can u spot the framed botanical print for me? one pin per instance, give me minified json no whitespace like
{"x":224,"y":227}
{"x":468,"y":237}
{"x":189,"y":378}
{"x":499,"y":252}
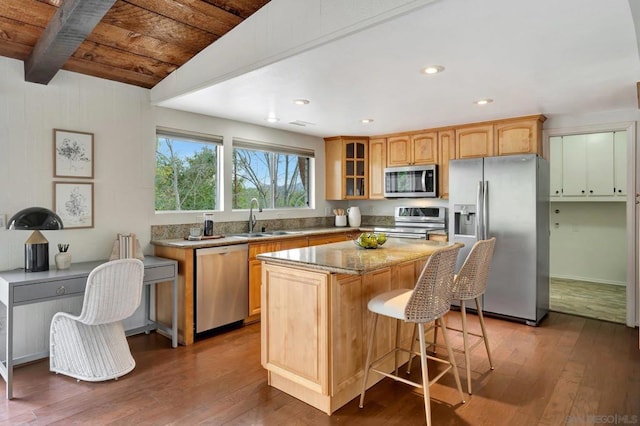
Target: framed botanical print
{"x":72,"y":154}
{"x":73,"y":202}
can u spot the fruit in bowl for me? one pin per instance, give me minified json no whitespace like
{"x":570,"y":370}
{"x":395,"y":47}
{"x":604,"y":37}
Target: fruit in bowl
{"x":370,"y":240}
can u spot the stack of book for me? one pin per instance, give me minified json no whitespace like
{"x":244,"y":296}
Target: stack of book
{"x":126,"y":246}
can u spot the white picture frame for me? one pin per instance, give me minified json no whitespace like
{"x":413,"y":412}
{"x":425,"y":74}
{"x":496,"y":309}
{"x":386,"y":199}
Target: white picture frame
{"x":72,"y":154}
{"x":73,"y":202}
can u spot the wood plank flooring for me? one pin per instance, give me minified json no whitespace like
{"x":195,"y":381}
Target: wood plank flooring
{"x":593,"y":300}
{"x":565,"y":371}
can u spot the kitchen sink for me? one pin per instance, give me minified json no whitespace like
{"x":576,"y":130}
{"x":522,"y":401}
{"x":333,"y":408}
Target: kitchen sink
{"x":265,"y":234}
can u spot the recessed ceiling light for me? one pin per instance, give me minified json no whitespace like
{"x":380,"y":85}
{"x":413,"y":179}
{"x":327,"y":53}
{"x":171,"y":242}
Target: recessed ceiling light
{"x":432,"y":69}
{"x":483,"y":101}
{"x":272,"y":119}
{"x":301,"y":101}
{"x":366,"y":120}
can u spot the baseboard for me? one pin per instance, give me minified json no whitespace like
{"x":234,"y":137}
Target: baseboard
{"x":588,"y":279}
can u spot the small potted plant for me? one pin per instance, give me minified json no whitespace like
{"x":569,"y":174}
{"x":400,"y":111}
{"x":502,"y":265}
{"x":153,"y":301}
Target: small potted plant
{"x":63,"y":258}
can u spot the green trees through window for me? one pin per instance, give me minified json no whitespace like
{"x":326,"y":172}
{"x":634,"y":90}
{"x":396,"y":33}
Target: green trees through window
{"x":189,"y":171}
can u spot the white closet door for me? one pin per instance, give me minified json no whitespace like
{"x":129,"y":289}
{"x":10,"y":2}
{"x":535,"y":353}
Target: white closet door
{"x":600,"y":164}
{"x":620,"y":163}
{"x":574,"y":166}
{"x":555,"y":166}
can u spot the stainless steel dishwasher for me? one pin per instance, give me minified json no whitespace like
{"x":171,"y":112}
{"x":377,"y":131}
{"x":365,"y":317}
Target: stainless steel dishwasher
{"x":222,"y":286}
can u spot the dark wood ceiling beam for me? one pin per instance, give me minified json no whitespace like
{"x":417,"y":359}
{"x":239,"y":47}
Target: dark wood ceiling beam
{"x":68,"y":28}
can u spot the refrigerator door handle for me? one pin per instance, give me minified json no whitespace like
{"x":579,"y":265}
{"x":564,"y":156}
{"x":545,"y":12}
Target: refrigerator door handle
{"x":485,"y":211}
{"x":480,"y":211}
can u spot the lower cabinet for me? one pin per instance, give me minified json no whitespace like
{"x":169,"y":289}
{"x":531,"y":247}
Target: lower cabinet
{"x":255,"y":268}
{"x":314,"y":337}
{"x":255,"y":265}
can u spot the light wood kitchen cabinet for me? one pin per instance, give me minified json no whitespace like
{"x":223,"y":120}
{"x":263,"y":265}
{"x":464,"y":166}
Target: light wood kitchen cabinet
{"x":255,"y":268}
{"x":475,"y":141}
{"x":447,"y":152}
{"x":315,"y":318}
{"x":164,"y":296}
{"x":317,"y":240}
{"x":346,"y":168}
{"x":519,"y":136}
{"x":377,"y":163}
{"x":414,"y":149}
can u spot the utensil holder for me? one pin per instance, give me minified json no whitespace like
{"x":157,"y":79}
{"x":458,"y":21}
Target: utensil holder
{"x":341,"y":220}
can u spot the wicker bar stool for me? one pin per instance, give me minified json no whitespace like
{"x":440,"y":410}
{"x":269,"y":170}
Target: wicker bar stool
{"x":469,"y":284}
{"x":429,"y":300}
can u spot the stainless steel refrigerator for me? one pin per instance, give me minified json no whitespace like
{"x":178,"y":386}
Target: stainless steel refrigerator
{"x":507,"y":198}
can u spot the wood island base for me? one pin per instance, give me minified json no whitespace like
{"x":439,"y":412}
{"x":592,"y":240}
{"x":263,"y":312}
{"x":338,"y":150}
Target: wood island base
{"x":315,"y":326}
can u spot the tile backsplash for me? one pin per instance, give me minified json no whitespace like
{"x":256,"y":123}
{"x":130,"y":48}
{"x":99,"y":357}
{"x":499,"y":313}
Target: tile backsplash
{"x":170,"y":232}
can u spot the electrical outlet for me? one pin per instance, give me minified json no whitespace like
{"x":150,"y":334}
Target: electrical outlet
{"x":327,"y":211}
{"x":3,"y":221}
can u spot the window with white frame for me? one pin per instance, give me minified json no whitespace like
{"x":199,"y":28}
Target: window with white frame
{"x":187,"y":171}
{"x":277,"y":176}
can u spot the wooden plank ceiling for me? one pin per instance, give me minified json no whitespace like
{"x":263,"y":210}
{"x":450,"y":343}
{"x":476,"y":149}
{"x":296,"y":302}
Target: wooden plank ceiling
{"x":137,"y":42}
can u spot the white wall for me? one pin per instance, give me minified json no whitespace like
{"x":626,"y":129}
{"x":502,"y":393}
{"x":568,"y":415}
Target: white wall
{"x":123,"y":123}
{"x":588,"y":242}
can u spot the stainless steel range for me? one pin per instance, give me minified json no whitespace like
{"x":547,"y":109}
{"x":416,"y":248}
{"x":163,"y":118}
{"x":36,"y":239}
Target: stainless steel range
{"x":416,"y":222}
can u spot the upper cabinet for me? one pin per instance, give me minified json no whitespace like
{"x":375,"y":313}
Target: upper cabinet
{"x":620,"y":163}
{"x":346,"y":168}
{"x":447,"y":151}
{"x":413,"y":149}
{"x":377,"y":163}
{"x":588,"y":167}
{"x":519,"y":136}
{"x":474,"y":141}
{"x":355,"y":164}
{"x":555,"y":166}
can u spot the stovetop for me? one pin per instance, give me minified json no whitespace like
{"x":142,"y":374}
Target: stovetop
{"x":416,"y":222}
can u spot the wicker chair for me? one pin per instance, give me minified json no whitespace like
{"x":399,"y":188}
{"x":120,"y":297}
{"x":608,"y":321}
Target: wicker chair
{"x":429,"y":300}
{"x":469,"y":284}
{"x":93,"y":346}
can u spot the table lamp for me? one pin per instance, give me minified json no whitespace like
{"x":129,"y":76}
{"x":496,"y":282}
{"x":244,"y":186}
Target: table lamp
{"x":36,"y":248}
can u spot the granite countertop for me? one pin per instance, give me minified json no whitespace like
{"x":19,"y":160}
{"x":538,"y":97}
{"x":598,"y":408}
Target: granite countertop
{"x":348,"y":258}
{"x":235,"y":239}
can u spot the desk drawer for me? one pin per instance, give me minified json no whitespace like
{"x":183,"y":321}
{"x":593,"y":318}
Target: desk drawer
{"x":49,"y":289}
{"x":159,"y":273}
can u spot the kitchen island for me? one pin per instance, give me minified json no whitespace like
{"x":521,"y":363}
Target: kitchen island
{"x":315,"y":319}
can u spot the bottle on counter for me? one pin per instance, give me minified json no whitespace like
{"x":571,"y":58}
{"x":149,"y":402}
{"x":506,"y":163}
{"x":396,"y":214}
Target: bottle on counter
{"x":208,"y":224}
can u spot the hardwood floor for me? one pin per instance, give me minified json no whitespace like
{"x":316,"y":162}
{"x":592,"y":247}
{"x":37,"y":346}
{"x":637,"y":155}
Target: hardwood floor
{"x":562,"y":372}
{"x":593,"y":300}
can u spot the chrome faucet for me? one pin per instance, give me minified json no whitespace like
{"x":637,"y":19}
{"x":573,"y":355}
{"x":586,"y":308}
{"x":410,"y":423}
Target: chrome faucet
{"x":252,"y":217}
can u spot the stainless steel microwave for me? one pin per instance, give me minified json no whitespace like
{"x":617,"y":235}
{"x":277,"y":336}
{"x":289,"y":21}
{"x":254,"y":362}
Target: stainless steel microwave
{"x":411,"y":181}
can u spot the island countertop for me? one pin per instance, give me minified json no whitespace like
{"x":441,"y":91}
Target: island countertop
{"x":347,"y":258}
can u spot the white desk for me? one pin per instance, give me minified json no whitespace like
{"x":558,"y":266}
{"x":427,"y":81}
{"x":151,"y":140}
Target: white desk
{"x":18,"y":287}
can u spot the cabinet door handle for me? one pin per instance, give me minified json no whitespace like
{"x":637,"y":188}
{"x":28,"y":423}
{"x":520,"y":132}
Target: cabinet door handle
{"x":591,"y":191}
{"x":61,"y":290}
{"x":557,"y":192}
{"x":582,"y":191}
